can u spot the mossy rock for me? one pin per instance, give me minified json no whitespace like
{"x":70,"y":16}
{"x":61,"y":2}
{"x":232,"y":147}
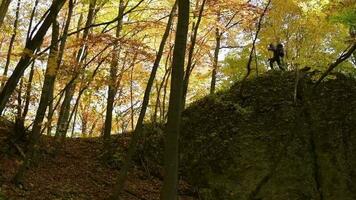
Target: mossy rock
{"x":265,"y":146}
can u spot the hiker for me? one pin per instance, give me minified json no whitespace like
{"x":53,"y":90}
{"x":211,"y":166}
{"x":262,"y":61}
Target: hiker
{"x":278,"y":54}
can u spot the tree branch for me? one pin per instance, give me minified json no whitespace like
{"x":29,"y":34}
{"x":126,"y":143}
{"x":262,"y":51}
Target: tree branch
{"x":344,"y":56}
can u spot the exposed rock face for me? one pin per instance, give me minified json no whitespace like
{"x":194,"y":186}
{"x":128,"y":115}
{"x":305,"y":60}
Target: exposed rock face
{"x":264,"y":146}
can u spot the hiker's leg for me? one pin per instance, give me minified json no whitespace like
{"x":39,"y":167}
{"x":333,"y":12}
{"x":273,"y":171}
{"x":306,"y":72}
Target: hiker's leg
{"x":271,"y":61}
{"x":279,"y":64}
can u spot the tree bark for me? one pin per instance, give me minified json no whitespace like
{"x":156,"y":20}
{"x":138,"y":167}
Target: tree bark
{"x":11,"y":44}
{"x":165,"y":88}
{"x":30,"y":47}
{"x":159,"y":90}
{"x":338,"y":61}
{"x":112,"y":89}
{"x":48,"y":85}
{"x":74,"y":121}
{"x":28,"y":91}
{"x":132,"y":117}
{"x":59,"y":60}
{"x":216,"y":56}
{"x":29,"y":83}
{"x":3,"y":10}
{"x":190,"y":66}
{"x":165,"y":84}
{"x":249,"y":62}
{"x":47,"y":89}
{"x":34,"y":9}
{"x":19,"y":102}
{"x":63,"y":122}
{"x":169,"y":189}
{"x":139,"y":125}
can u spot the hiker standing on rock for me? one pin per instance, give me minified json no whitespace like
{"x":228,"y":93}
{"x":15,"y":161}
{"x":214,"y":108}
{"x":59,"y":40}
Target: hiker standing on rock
{"x":278,"y":55}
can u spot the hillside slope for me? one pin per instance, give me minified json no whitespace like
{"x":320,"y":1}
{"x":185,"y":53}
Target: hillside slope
{"x":76,"y":173}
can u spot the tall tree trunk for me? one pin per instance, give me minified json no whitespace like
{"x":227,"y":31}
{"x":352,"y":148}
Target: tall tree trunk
{"x":28,"y":91}
{"x":131,"y":96}
{"x":169,"y":189}
{"x":63,"y":122}
{"x":139,"y":125}
{"x":165,"y":78}
{"x":3,"y":10}
{"x":12,"y":40}
{"x":34,"y":9}
{"x":112,"y":89}
{"x":59,"y":60}
{"x":165,"y":88}
{"x":29,"y":83}
{"x":74,"y":121}
{"x":1,"y":42}
{"x":159,"y":90}
{"x":216,"y":57}
{"x":190,"y":66}
{"x":157,"y":102}
{"x":84,"y":124}
{"x":50,"y":115}
{"x":19,"y":102}
{"x":30,"y":47}
{"x":47,"y":89}
{"x":249,"y":62}
{"x":83,"y":87}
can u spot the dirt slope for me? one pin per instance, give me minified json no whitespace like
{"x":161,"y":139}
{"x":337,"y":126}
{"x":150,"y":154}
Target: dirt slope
{"x":77,"y":173}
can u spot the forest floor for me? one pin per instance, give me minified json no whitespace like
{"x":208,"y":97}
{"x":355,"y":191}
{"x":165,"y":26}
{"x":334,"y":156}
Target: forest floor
{"x":77,"y":173}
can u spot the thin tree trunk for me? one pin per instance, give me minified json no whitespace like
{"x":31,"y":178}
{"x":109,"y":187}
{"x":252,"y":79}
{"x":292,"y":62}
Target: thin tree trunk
{"x":256,"y":62}
{"x":157,"y":103}
{"x":259,"y":26}
{"x":59,"y":60}
{"x":84,"y":124}
{"x":2,"y":42}
{"x":28,"y":91}
{"x":216,"y":56}
{"x":165,"y":85}
{"x":34,"y":9}
{"x":62,"y":124}
{"x":170,"y":182}
{"x":164,"y":114}
{"x":3,"y":10}
{"x":139,"y":125}
{"x":158,"y":99}
{"x":30,"y":47}
{"x":190,"y":65}
{"x":29,"y":83}
{"x":65,"y":32}
{"x":11,"y":45}
{"x":47,"y":89}
{"x":50,"y":115}
{"x":112,"y":89}
{"x":131,"y":97}
{"x":80,"y":93}
{"x":19,"y":102}
{"x":74,"y":121}
{"x":347,"y":53}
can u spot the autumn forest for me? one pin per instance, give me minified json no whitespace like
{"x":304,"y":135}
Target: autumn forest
{"x":178,"y":99}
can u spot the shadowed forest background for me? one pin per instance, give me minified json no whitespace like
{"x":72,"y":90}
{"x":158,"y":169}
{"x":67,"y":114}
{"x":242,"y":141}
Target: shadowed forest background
{"x":152,"y":99}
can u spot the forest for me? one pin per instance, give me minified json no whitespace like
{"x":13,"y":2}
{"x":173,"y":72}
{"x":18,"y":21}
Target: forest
{"x":178,"y":99}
